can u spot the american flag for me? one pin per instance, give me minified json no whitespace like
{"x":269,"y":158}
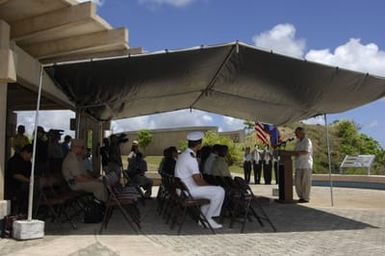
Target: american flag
{"x":262,"y":134}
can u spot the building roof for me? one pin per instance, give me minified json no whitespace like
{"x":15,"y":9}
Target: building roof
{"x":61,"y":30}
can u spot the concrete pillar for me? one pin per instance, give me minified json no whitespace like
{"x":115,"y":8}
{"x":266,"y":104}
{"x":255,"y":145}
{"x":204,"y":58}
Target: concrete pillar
{"x":3,"y":121}
{"x":96,"y":142}
{"x":5,"y":32}
{"x":4,"y":67}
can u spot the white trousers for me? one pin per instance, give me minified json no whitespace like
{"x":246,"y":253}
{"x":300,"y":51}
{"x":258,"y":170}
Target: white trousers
{"x":215,"y":194}
{"x":303,"y":183}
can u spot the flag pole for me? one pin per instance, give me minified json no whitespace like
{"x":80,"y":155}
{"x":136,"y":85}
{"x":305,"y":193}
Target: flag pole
{"x":329,"y":161}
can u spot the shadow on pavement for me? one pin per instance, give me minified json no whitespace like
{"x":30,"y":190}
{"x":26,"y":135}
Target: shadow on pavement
{"x":285,"y":217}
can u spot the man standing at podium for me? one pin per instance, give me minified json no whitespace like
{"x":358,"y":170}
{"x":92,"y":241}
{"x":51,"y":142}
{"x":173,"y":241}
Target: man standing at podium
{"x":303,"y":162}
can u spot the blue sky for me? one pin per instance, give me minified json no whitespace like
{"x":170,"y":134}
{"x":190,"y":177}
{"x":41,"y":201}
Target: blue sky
{"x":347,"y":33}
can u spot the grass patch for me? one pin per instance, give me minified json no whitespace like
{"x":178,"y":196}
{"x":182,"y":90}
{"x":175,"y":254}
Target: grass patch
{"x":236,"y":169}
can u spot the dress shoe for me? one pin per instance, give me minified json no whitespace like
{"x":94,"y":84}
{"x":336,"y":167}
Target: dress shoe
{"x":214,"y":224}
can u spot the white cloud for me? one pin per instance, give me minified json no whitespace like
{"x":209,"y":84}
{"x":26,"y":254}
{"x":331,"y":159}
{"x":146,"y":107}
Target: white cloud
{"x":281,"y":39}
{"x":315,"y":120}
{"x":231,"y":124}
{"x":352,"y":55}
{"x":372,"y":124}
{"x":98,"y":2}
{"x":174,"y":3}
{"x":57,"y":119}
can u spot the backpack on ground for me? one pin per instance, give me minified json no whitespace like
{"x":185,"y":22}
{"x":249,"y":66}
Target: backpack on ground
{"x":94,"y":212}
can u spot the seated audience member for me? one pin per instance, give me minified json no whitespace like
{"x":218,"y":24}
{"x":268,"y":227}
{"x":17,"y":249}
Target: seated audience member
{"x":203,"y":155}
{"x":105,"y":154}
{"x":76,"y":175}
{"x":187,"y":169}
{"x":170,"y":161}
{"x":87,"y":161}
{"x":65,"y":146}
{"x":55,"y":151}
{"x":41,"y":158}
{"x":115,"y":155}
{"x":166,"y":152}
{"x":17,"y":179}
{"x":136,"y":171}
{"x":19,"y":140}
{"x":220,"y":166}
{"x":133,"y":151}
{"x":207,"y":169}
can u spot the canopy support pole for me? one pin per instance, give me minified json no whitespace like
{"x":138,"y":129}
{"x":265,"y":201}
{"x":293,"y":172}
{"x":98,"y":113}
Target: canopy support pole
{"x":329,"y":161}
{"x":32,"y":178}
{"x":211,"y":84}
{"x":78,"y":117}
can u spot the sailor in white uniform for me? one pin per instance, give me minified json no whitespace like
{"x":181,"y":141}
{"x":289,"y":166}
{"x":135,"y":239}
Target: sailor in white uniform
{"x":187,"y":169}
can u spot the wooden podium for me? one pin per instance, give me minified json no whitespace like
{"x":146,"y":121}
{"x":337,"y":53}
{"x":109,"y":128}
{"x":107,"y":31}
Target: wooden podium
{"x":285,"y":179}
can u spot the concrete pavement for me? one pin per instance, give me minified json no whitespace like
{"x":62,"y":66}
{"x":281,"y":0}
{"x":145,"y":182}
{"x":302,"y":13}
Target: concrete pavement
{"x":354,"y":226}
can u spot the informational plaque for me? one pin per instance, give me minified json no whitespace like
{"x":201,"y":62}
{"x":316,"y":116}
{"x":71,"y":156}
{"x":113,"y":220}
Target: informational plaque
{"x":360,"y":161}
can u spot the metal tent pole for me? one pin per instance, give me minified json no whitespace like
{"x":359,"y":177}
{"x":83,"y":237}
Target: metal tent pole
{"x":329,"y":160}
{"x":78,"y":117}
{"x":32,"y":178}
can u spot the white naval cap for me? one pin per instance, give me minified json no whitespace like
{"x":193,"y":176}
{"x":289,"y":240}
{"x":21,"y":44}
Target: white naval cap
{"x":194,"y":136}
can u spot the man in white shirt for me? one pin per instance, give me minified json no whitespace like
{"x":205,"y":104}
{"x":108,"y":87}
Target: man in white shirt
{"x":257,"y":165}
{"x":267,"y":165}
{"x":76,"y":175}
{"x":247,"y":160}
{"x":303,"y":163}
{"x":187,"y":169}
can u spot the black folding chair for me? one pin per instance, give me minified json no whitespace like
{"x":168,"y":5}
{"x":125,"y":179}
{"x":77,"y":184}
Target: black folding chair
{"x":251,"y":200}
{"x":126,"y":204}
{"x":54,"y":203}
{"x":186,"y":203}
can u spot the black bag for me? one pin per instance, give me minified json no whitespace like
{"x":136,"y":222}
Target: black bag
{"x":94,"y":212}
{"x":7,"y":224}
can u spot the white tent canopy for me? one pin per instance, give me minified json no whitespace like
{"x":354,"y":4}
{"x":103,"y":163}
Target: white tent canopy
{"x":232,"y":79}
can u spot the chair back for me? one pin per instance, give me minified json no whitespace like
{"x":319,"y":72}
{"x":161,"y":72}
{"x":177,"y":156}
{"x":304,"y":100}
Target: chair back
{"x":107,"y":184}
{"x":44,"y":182}
{"x":242,"y":184}
{"x":112,"y":179}
{"x":182,"y":189}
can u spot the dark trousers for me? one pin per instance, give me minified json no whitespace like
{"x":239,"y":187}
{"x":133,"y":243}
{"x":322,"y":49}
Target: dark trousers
{"x":144,"y":183}
{"x":19,"y":203}
{"x":257,"y":167}
{"x":276,"y":168}
{"x":247,"y":170}
{"x":267,"y":171}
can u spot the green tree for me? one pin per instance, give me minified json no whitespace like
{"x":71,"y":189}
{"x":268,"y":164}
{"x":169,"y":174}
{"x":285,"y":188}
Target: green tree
{"x":249,"y":126}
{"x":234,"y":155}
{"x":211,"y":137}
{"x":353,"y":142}
{"x":144,"y":138}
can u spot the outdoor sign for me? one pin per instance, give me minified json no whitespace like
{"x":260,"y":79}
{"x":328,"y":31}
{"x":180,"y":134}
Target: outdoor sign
{"x":360,"y":161}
